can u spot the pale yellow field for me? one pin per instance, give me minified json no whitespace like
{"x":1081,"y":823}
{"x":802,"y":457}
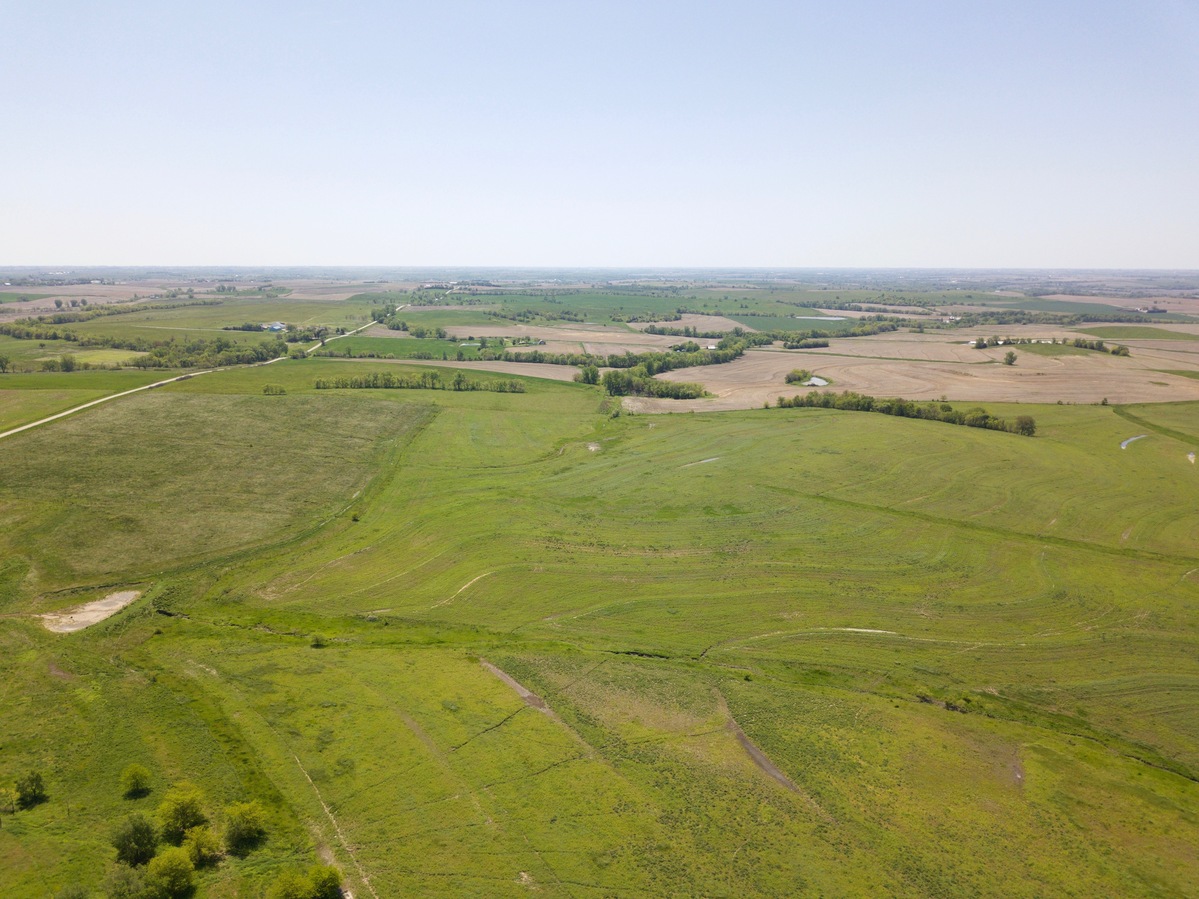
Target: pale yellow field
{"x":925,"y":367}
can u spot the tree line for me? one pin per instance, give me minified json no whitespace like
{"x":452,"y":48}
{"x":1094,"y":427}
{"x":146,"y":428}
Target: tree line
{"x":930,"y":411}
{"x":425,"y":380}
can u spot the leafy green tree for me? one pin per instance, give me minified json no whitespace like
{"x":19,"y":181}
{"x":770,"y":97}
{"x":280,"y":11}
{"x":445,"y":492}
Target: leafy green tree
{"x":182,"y":809}
{"x":1026,"y":425}
{"x":245,"y":827}
{"x":74,"y":891}
{"x":202,"y":847}
{"x":135,"y":781}
{"x":290,"y":885}
{"x":68,"y":362}
{"x":31,"y":789}
{"x":5,"y":362}
{"x":135,"y":840}
{"x":1009,"y":358}
{"x":170,"y":875}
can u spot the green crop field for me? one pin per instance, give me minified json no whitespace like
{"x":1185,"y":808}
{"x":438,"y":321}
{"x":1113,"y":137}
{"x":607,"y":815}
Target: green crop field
{"x":493,"y":644}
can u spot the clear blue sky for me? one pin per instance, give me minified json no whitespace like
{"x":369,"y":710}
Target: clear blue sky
{"x":949,"y":133}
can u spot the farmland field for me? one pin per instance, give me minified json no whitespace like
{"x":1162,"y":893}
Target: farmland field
{"x":476,"y":643}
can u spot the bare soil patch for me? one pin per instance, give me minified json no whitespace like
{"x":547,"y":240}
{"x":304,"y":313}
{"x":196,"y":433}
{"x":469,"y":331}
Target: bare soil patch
{"x":78,"y":618}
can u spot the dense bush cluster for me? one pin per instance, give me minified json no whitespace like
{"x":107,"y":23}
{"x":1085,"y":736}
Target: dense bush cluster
{"x":858,"y":402}
{"x":631,"y":383}
{"x":426,"y":380}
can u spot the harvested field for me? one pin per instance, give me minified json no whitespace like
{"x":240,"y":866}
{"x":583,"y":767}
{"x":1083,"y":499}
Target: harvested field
{"x":759,"y":377}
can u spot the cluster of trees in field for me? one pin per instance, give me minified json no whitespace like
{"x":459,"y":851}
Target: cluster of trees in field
{"x":931,"y":411}
{"x":425,"y":380}
{"x":633,"y":382}
{"x":194,"y":353}
{"x":158,"y":855}
{"x":798,"y":376}
{"x":807,"y":343}
{"x":205,"y":352}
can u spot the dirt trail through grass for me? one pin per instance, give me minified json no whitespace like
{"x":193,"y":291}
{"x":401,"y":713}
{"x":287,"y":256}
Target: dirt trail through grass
{"x":762,"y":760}
{"x":530,"y":698}
{"x":362,"y":875}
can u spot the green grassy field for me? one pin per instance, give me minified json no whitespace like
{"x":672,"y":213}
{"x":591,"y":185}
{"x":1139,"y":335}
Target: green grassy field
{"x":970,"y":656}
{"x":1139,"y":332}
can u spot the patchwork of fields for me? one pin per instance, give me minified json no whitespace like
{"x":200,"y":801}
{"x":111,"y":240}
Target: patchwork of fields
{"x":487,"y":644}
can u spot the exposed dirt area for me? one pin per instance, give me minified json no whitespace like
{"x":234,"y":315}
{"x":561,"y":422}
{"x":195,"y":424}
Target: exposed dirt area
{"x":78,"y":618}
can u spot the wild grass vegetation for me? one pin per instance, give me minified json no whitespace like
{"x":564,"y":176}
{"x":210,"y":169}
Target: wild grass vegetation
{"x":971,"y":657}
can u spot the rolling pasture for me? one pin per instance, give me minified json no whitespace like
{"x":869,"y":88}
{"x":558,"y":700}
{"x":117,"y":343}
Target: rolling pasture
{"x":499,"y":644}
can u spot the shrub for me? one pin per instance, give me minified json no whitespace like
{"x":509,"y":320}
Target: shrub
{"x":123,"y":883}
{"x":74,"y":891}
{"x":170,"y":875}
{"x":321,"y":882}
{"x":135,"y":782}
{"x":182,"y":809}
{"x":202,"y":847}
{"x":274,"y":390}
{"x":326,"y":882}
{"x":290,"y":885}
{"x":245,"y":827}
{"x":135,"y":840}
{"x":31,"y":789}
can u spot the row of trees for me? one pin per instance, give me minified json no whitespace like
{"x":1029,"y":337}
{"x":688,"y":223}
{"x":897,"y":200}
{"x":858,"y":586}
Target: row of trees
{"x":858,"y":402}
{"x":1082,"y":343}
{"x":425,"y":380}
